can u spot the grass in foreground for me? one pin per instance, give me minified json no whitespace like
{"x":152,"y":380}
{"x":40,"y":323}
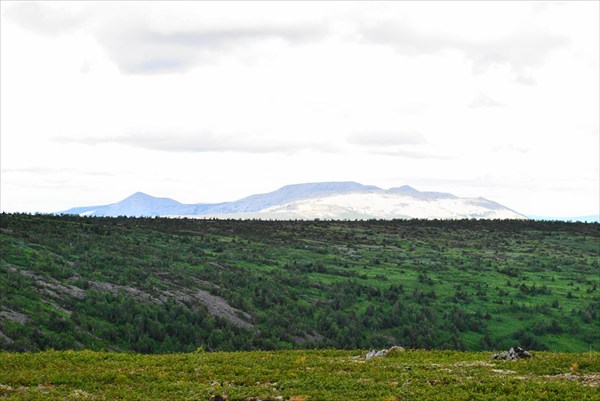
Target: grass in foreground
{"x":298,"y":375}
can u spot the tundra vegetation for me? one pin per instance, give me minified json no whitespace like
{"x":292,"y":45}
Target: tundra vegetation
{"x":298,"y":375}
{"x":158,"y":285}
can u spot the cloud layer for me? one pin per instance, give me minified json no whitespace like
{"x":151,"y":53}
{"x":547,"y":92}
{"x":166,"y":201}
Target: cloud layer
{"x":521,"y":49}
{"x":201,"y":143}
{"x":218,"y":100}
{"x":141,"y":45}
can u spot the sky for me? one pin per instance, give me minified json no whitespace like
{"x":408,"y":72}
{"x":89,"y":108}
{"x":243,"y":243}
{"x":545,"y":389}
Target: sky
{"x":210,"y":102}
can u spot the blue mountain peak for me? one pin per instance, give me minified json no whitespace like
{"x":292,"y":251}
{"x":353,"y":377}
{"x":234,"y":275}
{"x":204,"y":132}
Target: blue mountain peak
{"x":142,"y":204}
{"x":405,"y":189}
{"x":139,"y":195}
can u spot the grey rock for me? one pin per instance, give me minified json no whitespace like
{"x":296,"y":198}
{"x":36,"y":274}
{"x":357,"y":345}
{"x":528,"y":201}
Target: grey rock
{"x":382,"y":353}
{"x":513,"y":354}
{"x":370,"y":354}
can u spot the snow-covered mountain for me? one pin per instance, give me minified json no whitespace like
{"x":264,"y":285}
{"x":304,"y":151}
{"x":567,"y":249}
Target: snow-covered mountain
{"x":289,"y":193}
{"x":324,"y":200}
{"x":389,"y":205}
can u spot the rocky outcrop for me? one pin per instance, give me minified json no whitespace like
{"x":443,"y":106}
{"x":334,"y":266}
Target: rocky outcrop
{"x":215,"y":305}
{"x":512,"y":354}
{"x":14,"y":316}
{"x":382,"y":353}
{"x":49,"y":285}
{"x":218,"y":306}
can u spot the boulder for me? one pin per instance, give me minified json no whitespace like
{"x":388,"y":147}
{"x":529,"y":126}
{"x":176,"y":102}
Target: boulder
{"x":513,"y":354}
{"x":382,"y":353}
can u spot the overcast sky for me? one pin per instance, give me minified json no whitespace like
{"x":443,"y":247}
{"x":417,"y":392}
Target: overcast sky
{"x":208,"y":102}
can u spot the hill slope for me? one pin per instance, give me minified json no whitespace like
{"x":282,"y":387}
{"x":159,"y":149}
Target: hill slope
{"x":163,"y":285}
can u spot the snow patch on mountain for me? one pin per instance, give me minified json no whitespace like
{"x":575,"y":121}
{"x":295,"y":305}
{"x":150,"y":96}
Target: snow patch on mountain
{"x":388,"y":205}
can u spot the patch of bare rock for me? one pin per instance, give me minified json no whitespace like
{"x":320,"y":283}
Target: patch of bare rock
{"x":219,"y":307}
{"x":9,"y":314}
{"x":215,"y":305}
{"x":50,"y":286}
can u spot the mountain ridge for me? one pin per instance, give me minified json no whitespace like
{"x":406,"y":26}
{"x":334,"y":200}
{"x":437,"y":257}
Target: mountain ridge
{"x":329,"y":200}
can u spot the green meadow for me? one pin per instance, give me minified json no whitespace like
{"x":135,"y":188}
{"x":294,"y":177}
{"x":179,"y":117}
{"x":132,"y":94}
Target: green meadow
{"x":299,"y":375}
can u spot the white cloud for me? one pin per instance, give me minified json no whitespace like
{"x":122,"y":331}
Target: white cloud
{"x":157,"y":38}
{"x":147,"y":51}
{"x":483,"y":100}
{"x":203,"y":142}
{"x":386,"y":138}
{"x":520,"y":50}
{"x":46,"y":18}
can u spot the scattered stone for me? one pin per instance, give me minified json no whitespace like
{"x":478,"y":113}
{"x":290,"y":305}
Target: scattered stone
{"x":588,"y":380}
{"x":512,"y":354}
{"x":78,"y":394}
{"x":382,"y":353}
{"x":504,"y":372}
{"x":473,"y":363}
{"x":375,"y":354}
{"x":278,"y":398}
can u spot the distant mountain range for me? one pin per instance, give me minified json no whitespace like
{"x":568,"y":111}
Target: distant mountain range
{"x":323,"y":200}
{"x":592,"y":218}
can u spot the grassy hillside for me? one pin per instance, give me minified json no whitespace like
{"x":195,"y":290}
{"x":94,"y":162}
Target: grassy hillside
{"x":298,"y":376}
{"x":164,"y":285}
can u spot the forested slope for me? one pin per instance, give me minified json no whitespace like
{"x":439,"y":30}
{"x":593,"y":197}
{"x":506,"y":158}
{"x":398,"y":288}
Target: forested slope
{"x":163,"y":285}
